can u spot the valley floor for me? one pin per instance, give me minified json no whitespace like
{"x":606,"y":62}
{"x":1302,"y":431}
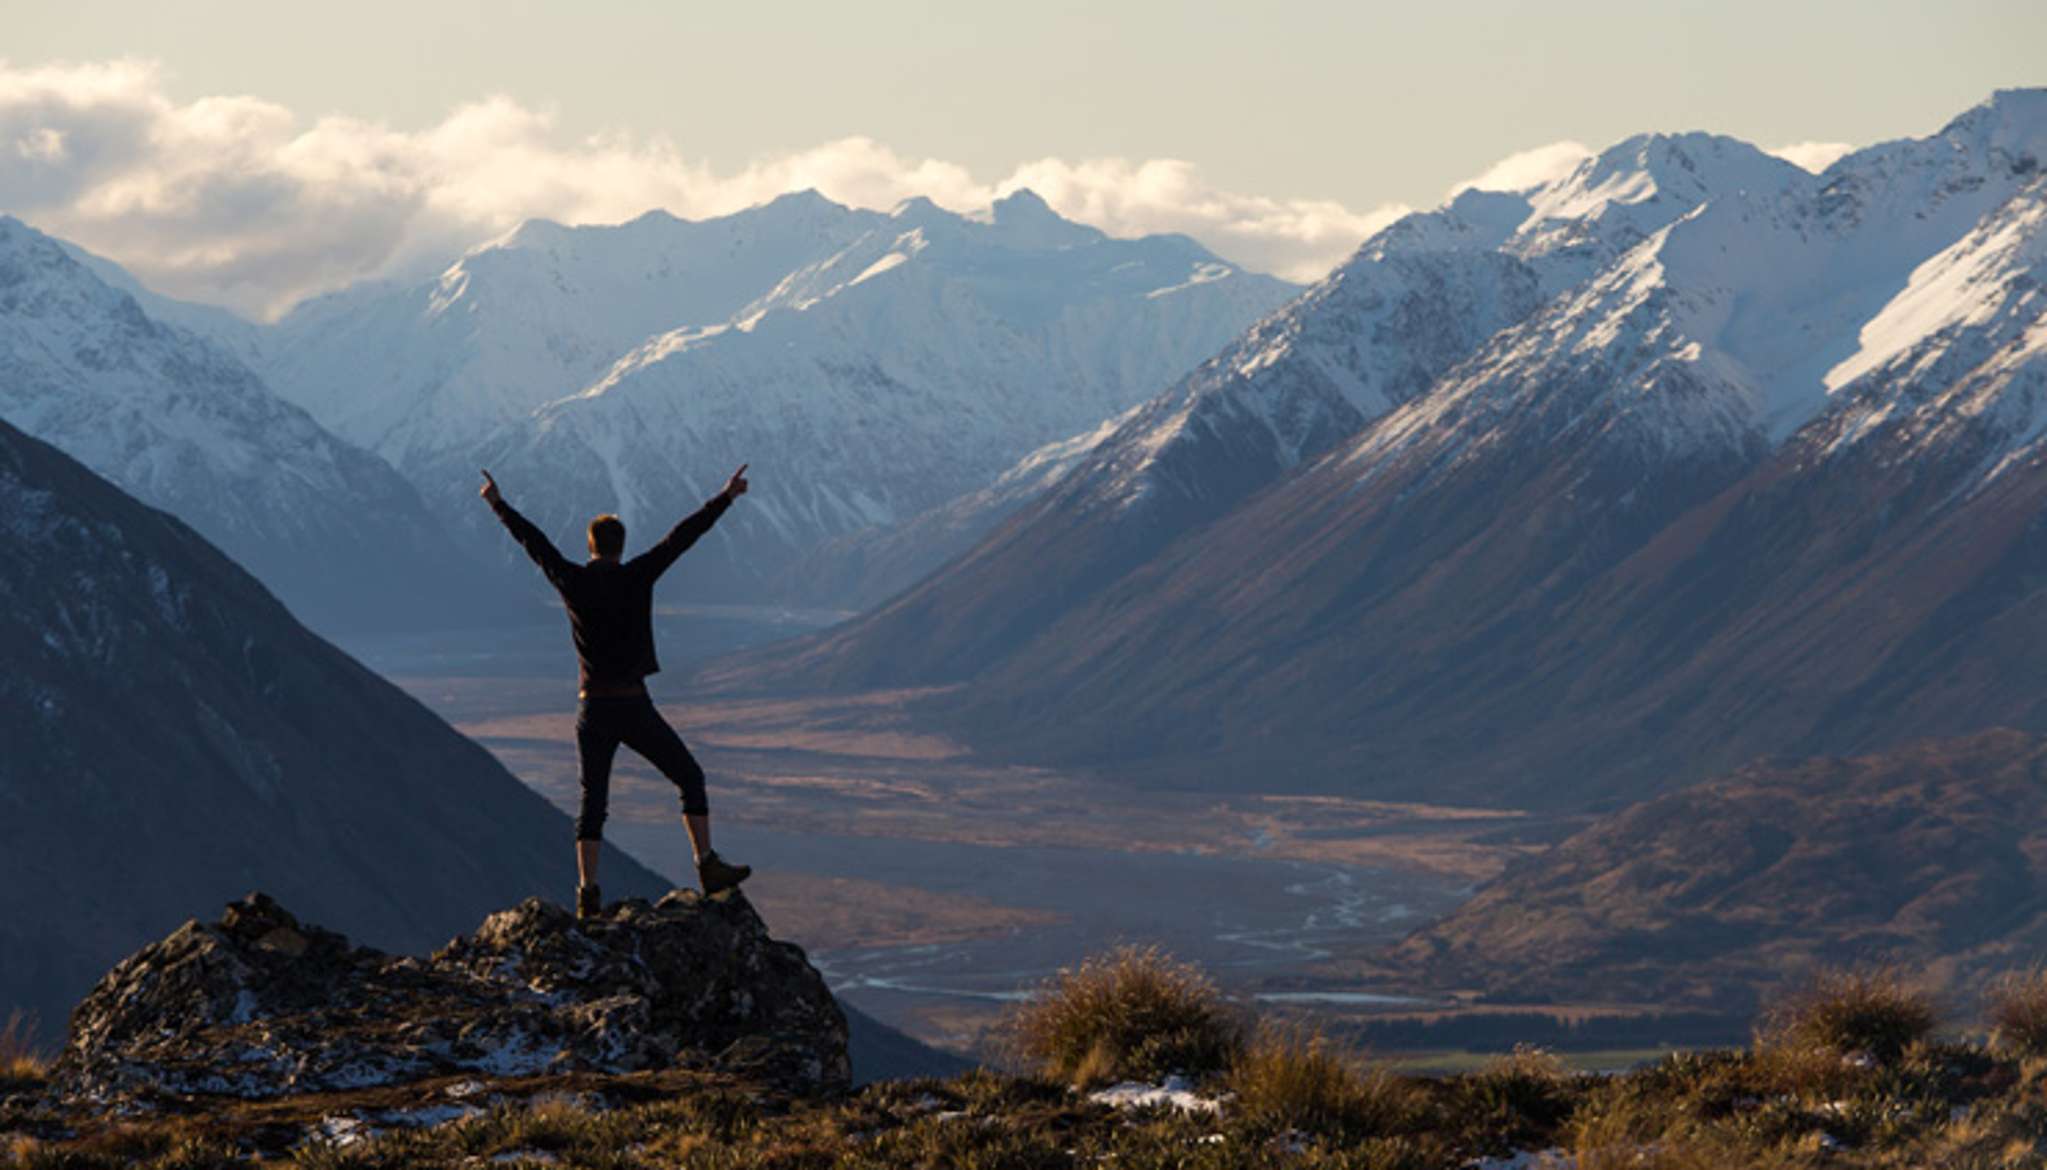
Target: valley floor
{"x":932,"y":887}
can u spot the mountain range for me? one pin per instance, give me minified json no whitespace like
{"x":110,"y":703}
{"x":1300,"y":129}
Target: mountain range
{"x":184,"y":424}
{"x":869,"y":366}
{"x":1555,"y":497}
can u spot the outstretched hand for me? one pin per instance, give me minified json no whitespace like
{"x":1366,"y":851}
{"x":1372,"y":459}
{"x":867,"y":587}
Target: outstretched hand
{"x":489,"y":491}
{"x":736,"y":486}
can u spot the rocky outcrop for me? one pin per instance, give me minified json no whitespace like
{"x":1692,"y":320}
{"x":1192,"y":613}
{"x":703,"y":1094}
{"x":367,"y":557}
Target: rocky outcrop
{"x":261,"y":1005}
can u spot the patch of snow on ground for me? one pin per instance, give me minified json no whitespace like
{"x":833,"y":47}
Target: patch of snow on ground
{"x":1177,"y":1092}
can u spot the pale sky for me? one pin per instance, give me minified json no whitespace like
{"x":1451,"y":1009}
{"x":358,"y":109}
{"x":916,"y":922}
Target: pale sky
{"x":1276,"y":133}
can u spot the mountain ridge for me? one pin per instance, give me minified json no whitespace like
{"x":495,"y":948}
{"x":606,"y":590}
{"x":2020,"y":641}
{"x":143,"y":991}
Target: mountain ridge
{"x":1442,"y":603}
{"x":187,"y":425}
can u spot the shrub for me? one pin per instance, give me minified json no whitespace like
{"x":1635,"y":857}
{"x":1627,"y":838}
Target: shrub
{"x":2018,"y":1012}
{"x":1133,"y":1013}
{"x":1878,"y":1012}
{"x":1289,"y":1077}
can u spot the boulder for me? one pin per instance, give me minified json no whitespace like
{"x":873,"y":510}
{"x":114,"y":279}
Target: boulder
{"x":261,"y":1005}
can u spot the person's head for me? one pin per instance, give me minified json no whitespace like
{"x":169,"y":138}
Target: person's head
{"x":607,"y":536}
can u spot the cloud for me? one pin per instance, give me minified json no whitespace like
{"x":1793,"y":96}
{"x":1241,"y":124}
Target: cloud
{"x":1813,"y":156}
{"x":1528,"y":168}
{"x":240,"y":201}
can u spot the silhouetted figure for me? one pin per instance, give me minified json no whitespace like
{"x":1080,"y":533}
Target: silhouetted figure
{"x":611,"y":616}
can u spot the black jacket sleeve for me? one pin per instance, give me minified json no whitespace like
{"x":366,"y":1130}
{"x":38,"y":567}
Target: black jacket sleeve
{"x":655,"y":561}
{"x":535,"y":542}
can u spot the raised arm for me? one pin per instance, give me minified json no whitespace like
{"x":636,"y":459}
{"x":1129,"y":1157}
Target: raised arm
{"x":655,"y":561}
{"x":530,"y":537}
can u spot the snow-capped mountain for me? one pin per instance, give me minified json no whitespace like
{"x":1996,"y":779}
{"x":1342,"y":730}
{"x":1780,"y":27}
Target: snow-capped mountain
{"x":869,"y":366}
{"x":185,"y":426}
{"x":417,"y":372}
{"x":1751,"y":464}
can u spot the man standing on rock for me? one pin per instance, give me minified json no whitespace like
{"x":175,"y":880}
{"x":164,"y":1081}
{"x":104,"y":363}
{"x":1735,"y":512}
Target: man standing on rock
{"x":611,"y":616}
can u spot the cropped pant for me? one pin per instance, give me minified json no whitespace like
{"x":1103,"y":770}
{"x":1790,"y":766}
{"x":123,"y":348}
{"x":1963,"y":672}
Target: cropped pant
{"x":603,"y":723}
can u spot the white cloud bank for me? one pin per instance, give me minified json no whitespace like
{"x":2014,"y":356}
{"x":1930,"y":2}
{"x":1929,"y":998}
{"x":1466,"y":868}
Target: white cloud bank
{"x":1528,"y":168}
{"x":1813,"y":156}
{"x":239,"y":201}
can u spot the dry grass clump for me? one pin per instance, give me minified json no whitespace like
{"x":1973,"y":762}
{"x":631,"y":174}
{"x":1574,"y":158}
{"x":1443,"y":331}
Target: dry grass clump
{"x":21,"y":1064}
{"x":2017,"y":1012}
{"x":1289,"y":1077}
{"x":1134,"y":1013}
{"x":1879,"y":1013}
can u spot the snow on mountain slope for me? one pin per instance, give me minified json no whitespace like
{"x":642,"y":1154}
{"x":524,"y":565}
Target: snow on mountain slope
{"x":186,"y":427}
{"x":1419,"y":297}
{"x":909,"y":367}
{"x":422,"y":371}
{"x":1955,"y":366}
{"x":1737,"y":323}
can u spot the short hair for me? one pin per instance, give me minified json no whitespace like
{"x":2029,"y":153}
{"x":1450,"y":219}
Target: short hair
{"x":607,"y":536}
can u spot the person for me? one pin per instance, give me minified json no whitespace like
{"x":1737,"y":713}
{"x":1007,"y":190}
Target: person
{"x":610,"y":602}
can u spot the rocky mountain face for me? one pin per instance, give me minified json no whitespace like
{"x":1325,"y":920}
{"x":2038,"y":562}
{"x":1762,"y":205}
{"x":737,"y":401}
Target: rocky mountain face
{"x":1760,"y":471}
{"x":869,"y":366}
{"x":262,"y":1005}
{"x":184,"y":425}
{"x":1928,"y":855}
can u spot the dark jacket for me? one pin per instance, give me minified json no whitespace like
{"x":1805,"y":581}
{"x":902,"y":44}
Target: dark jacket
{"x":611,"y":602}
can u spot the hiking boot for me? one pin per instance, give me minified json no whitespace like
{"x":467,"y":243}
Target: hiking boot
{"x":589,"y":902}
{"x":717,"y":875}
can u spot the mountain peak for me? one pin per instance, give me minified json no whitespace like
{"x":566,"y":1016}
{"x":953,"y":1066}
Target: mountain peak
{"x":808,"y":201}
{"x":531,"y":233}
{"x":1028,"y":221}
{"x":2012,"y":122}
{"x":1024,"y":205}
{"x":919,"y":209}
{"x":1685,"y":169}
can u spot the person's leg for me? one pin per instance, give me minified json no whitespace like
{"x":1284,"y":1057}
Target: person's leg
{"x":596,"y":744}
{"x":650,"y":735}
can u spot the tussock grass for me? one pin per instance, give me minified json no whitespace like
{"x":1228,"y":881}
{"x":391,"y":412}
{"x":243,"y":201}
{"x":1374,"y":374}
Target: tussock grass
{"x":1134,"y":1013}
{"x":1798,"y":1099}
{"x":2016,"y":1007}
{"x":21,"y":1063}
{"x":1514,"y":1100}
{"x":1290,"y":1077}
{"x":1876,"y":1013}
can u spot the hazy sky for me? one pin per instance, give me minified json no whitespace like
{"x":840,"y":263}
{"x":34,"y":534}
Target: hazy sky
{"x":1284,"y":130}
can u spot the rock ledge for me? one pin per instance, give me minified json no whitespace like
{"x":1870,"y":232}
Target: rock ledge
{"x":261,"y":1005}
